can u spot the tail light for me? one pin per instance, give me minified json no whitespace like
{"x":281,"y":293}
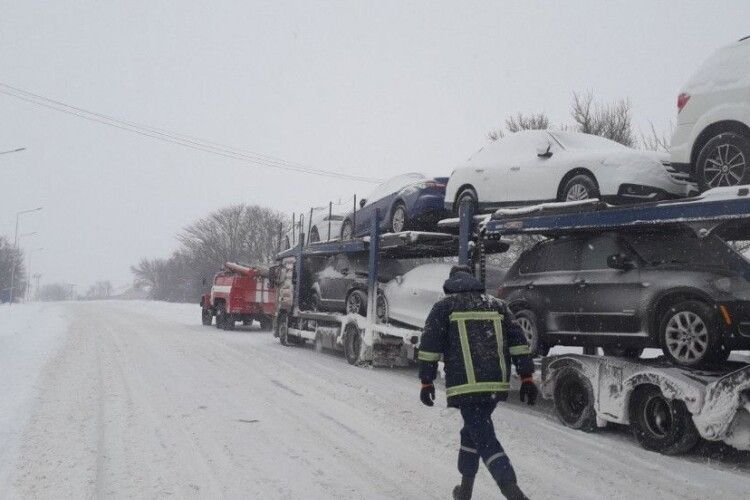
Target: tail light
{"x":434,"y":185}
{"x":682,"y":100}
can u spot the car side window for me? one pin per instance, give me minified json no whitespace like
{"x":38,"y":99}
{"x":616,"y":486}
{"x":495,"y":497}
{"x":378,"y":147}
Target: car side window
{"x":553,"y":256}
{"x":596,"y":250}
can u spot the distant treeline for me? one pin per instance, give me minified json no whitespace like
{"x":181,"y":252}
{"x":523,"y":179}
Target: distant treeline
{"x":238,"y":233}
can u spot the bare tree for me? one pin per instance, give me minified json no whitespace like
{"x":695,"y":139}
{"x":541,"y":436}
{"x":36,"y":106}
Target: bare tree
{"x":520,"y":121}
{"x":11,"y":257}
{"x":99,"y":290}
{"x":612,"y":120}
{"x":656,"y":141}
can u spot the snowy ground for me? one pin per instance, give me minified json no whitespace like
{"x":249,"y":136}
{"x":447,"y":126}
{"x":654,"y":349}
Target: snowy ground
{"x":118,"y":399}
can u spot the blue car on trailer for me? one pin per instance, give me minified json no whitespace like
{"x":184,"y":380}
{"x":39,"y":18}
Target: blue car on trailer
{"x":406,"y":202}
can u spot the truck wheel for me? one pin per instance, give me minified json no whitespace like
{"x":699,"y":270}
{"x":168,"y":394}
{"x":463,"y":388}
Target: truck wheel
{"x":724,"y":161}
{"x":356,"y":303}
{"x":206,"y":317}
{"x":283,"y":328}
{"x":527,"y":320}
{"x":661,"y":424}
{"x":574,"y":400}
{"x":688,"y":333}
{"x":265,"y":323}
{"x":221,"y":317}
{"x":623,"y":352}
{"x":352,"y":343}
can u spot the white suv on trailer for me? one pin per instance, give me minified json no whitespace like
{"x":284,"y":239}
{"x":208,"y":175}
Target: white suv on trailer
{"x":711,"y":142}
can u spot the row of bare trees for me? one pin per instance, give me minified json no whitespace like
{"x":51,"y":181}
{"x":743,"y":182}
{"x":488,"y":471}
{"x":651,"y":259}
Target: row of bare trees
{"x":240,"y":233}
{"x":612,"y":120}
{"x":11,"y":257}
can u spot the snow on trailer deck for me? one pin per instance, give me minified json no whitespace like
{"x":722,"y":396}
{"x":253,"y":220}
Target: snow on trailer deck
{"x":137,"y":399}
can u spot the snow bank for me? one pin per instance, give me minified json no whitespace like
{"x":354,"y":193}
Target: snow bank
{"x":30,"y":334}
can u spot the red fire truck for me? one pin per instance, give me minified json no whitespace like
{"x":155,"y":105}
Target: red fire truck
{"x":239,"y":293}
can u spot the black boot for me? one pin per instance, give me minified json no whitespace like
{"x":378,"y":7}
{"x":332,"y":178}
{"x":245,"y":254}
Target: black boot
{"x":511,"y":491}
{"x":464,"y":490}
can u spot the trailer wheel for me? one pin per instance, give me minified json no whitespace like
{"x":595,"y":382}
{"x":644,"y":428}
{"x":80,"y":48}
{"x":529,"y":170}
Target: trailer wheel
{"x":206,"y":317}
{"x":661,"y":424}
{"x":574,"y":400}
{"x":352,"y":343}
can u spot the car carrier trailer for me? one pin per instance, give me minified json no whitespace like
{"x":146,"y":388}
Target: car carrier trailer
{"x":667,"y":406}
{"x":363,"y":339}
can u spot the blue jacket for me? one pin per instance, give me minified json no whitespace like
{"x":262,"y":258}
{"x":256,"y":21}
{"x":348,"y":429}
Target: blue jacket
{"x":477,"y":338}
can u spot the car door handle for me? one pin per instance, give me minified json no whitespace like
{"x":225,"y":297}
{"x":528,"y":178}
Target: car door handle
{"x":530,"y":285}
{"x":580,"y":282}
{"x":515,"y":169}
{"x":479,"y":170}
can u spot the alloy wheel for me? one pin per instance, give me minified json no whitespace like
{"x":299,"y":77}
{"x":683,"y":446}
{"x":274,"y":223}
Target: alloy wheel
{"x":527,"y":327}
{"x":346,"y":231}
{"x":398,"y":220}
{"x":687,"y":337}
{"x":354,"y":303}
{"x":577,"y":192}
{"x":725,"y":167}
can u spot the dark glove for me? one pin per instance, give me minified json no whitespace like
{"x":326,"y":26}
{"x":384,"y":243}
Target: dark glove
{"x":529,"y":391}
{"x":427,"y":394}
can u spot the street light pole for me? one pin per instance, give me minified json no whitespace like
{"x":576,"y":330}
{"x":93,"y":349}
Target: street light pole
{"x":28,"y":271}
{"x":15,"y":253}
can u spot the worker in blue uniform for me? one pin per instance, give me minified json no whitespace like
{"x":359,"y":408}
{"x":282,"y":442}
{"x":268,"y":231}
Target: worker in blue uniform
{"x":477,"y":338}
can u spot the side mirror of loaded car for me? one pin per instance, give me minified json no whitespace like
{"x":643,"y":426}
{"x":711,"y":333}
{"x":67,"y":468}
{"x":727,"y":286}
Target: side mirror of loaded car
{"x":544,"y":151}
{"x":621,"y":262}
{"x":362,"y":203}
{"x":399,"y":279}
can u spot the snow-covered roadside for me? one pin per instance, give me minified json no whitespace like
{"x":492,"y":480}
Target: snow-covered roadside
{"x":30,"y":334}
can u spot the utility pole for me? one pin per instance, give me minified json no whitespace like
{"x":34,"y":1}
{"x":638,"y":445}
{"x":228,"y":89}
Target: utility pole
{"x":36,"y":289}
{"x":15,"y":253}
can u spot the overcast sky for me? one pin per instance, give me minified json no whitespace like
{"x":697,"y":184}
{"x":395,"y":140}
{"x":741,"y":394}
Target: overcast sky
{"x":366,"y":88}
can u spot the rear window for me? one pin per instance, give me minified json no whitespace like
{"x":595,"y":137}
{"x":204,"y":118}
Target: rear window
{"x":686,"y":248}
{"x":558,"y":255}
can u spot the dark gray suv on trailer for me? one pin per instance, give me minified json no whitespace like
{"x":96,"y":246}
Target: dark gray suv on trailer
{"x":625,"y":291}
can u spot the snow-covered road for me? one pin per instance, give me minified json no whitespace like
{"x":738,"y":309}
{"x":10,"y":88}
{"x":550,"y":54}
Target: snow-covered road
{"x":139,"y":400}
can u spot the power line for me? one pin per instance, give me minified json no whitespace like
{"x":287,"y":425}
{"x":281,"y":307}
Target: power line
{"x":175,"y":138}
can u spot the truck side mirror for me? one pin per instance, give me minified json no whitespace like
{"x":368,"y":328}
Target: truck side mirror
{"x":399,"y":279}
{"x":362,"y":202}
{"x":620,"y":262}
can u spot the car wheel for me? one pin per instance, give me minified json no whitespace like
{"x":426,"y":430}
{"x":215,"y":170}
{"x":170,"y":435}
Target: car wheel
{"x":467,"y":196}
{"x":266,"y":323}
{"x":314,"y":235}
{"x":723,"y":161}
{"x":356,"y":303}
{"x":206,"y":317}
{"x":688,"y":333}
{"x":382,"y":308}
{"x":529,"y":324}
{"x":346,"y":230}
{"x":316,"y":302}
{"x":574,"y":400}
{"x":661,"y":424}
{"x":221,"y":317}
{"x":399,"y":219}
{"x":579,"y":187}
{"x":352,"y":343}
{"x":623,"y":352}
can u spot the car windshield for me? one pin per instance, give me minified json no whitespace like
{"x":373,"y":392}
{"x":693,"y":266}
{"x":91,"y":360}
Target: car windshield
{"x":579,"y":141}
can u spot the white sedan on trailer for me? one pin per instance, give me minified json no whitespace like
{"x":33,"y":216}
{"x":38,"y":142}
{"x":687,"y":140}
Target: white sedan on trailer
{"x":409,"y":298}
{"x":536,"y":166}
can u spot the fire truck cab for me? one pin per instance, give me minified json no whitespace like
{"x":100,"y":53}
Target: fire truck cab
{"x":239,"y":293}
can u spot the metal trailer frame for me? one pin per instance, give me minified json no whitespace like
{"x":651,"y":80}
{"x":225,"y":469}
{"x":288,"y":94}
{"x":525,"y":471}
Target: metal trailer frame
{"x":381,"y":343}
{"x":718,"y":401}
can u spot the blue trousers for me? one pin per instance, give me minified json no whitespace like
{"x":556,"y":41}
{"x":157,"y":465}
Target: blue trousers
{"x":478,"y":440}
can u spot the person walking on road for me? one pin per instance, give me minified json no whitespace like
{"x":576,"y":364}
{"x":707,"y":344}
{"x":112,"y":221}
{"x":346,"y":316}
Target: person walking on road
{"x":477,"y":338}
